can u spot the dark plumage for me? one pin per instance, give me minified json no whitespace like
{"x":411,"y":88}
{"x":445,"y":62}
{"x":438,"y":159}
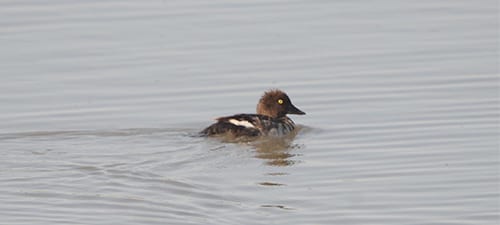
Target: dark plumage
{"x":270,"y":119}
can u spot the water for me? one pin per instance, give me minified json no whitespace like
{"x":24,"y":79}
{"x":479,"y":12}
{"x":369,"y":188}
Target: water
{"x":101,"y":101}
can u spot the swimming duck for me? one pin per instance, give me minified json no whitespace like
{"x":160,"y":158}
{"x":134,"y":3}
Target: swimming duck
{"x":270,"y":119}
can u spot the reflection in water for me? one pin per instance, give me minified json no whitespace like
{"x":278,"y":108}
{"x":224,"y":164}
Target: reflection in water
{"x":276,"y":150}
{"x":276,"y":206}
{"x":270,"y":184}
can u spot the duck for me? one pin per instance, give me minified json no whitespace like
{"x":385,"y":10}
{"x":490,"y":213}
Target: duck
{"x":270,"y":120}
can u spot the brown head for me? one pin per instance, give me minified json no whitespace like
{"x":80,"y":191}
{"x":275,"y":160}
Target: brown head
{"x":276,"y":104}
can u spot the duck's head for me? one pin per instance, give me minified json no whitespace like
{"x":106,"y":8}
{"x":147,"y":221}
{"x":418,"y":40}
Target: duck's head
{"x":276,"y":104}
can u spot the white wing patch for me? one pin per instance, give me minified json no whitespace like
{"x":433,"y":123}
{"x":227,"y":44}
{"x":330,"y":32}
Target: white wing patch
{"x":243,"y":123}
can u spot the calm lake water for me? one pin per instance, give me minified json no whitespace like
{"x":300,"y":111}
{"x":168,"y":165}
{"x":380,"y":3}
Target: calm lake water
{"x":101,"y":102}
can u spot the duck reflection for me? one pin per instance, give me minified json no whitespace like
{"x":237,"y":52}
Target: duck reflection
{"x":276,"y":150}
{"x":277,"y":206}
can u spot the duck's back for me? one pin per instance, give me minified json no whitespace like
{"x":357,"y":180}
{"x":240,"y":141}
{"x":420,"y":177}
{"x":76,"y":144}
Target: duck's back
{"x":250,"y":125}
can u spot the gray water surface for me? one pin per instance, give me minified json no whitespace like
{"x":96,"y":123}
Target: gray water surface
{"x":101,"y":102}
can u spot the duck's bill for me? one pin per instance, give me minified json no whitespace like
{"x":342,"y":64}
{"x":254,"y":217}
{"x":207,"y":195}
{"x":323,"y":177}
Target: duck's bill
{"x":295,"y":110}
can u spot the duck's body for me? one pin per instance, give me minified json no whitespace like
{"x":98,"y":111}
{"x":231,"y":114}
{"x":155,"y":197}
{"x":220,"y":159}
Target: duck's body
{"x":270,"y":119}
{"x":251,"y":125}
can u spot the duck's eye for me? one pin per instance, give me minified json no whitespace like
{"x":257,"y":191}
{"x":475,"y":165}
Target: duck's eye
{"x":280,"y":101}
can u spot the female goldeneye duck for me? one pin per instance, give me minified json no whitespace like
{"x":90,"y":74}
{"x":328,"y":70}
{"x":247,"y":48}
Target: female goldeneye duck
{"x":270,"y":119}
